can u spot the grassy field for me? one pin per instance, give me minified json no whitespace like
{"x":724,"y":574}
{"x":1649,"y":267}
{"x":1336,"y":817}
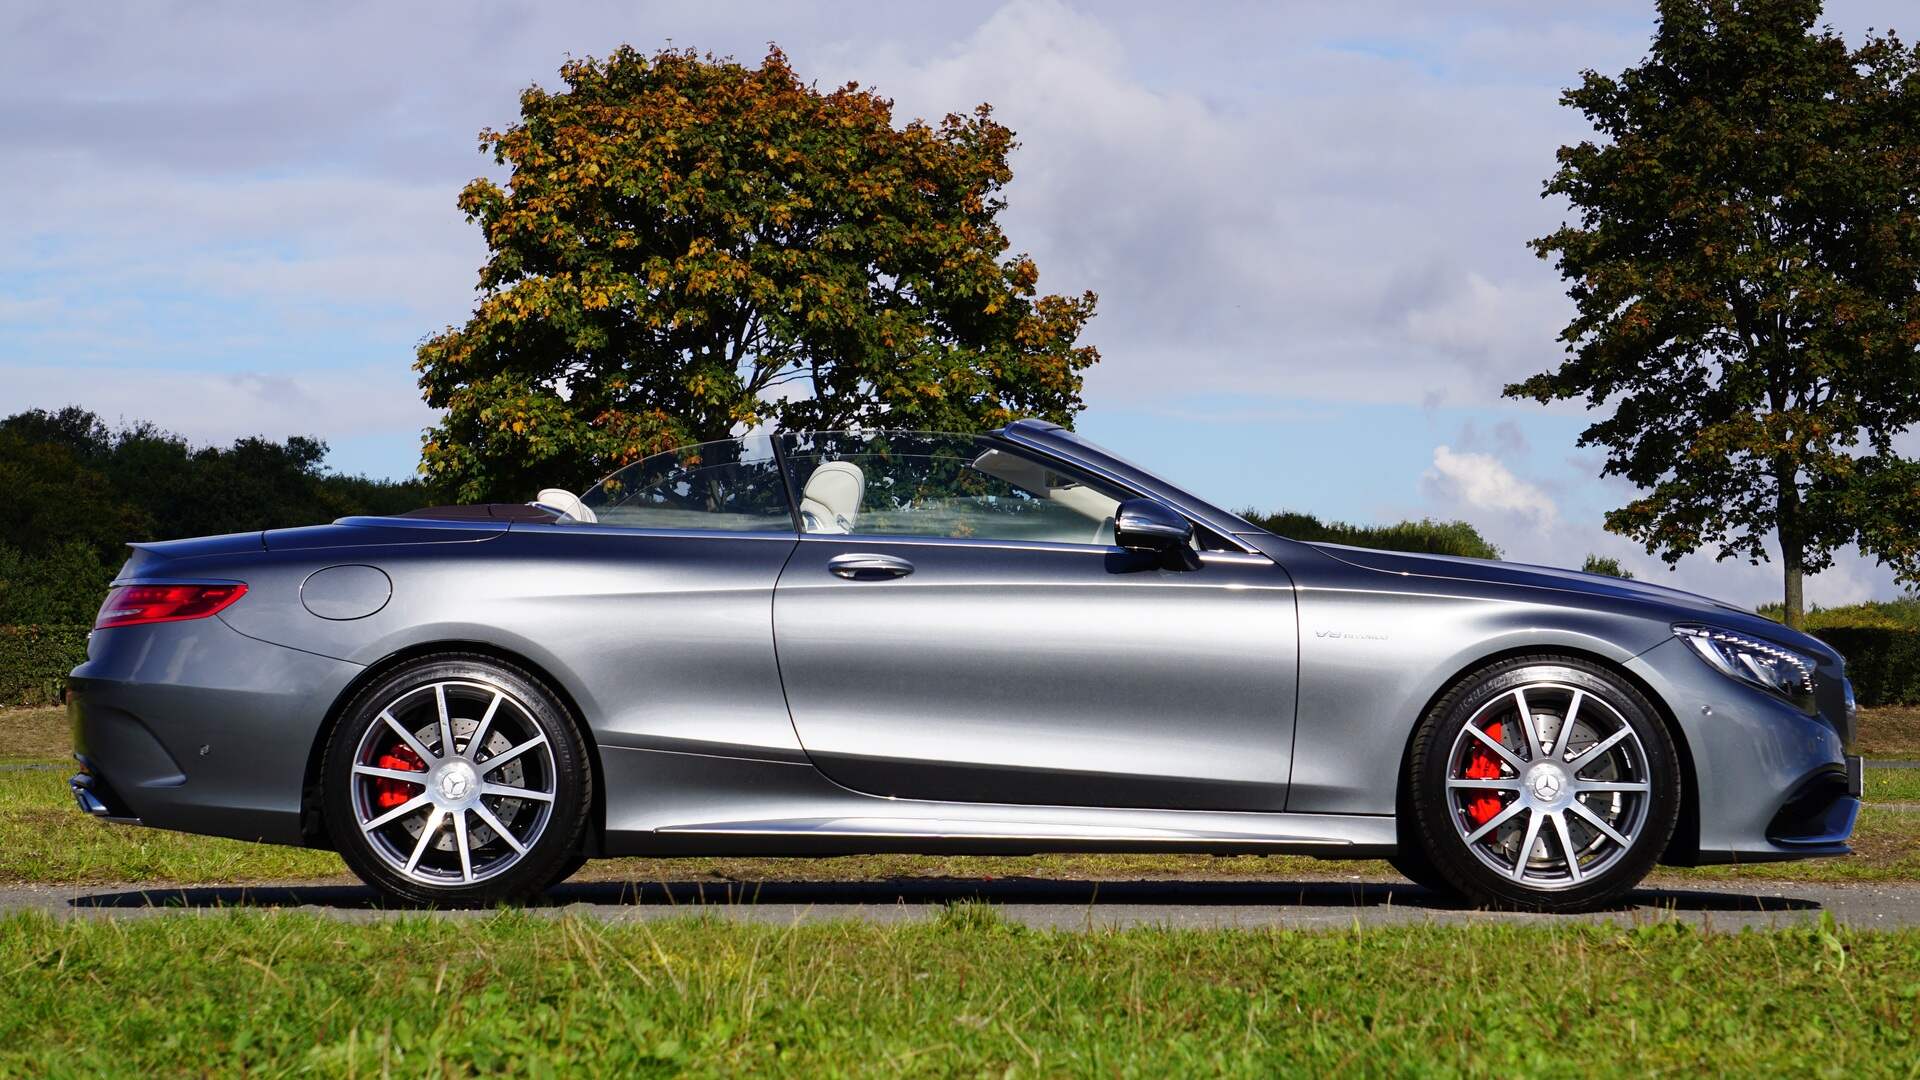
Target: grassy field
{"x":1892,"y":785}
{"x":963,"y":994}
{"x":531,"y":994}
{"x":34,"y":735}
{"x":43,"y":839}
{"x":1892,"y":731}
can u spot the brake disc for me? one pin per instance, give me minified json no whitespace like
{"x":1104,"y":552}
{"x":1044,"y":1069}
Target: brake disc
{"x":512,"y":774}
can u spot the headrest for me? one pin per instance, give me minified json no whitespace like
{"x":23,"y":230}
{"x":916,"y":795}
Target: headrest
{"x":566,"y":502}
{"x":831,"y":499}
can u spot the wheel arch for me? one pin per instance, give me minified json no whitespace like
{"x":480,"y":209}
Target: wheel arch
{"x":312,"y":825}
{"x":1683,"y":849}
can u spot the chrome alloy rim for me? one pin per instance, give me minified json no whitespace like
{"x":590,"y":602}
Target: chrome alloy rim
{"x":1548,"y":785}
{"x":454,"y":783}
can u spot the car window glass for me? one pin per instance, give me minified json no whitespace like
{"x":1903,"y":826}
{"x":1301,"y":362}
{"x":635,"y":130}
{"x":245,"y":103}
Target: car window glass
{"x":733,"y":485}
{"x":930,"y":484}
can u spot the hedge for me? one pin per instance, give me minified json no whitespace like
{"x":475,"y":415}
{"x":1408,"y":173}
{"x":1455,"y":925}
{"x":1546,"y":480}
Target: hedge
{"x":1882,"y":661}
{"x":35,"y":660}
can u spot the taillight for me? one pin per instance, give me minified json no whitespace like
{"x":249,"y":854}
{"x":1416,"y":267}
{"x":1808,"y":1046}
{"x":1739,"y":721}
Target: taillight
{"x":131,"y":605}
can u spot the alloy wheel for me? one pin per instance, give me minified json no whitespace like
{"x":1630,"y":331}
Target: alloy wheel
{"x":1548,"y":785}
{"x":454,"y":783}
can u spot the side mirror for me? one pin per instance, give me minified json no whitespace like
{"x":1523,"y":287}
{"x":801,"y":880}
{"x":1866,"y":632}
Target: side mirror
{"x":1151,"y":525}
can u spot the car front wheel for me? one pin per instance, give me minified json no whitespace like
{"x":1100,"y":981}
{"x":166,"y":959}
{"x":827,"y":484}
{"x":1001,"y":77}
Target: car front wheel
{"x":1544,"y":783}
{"x":455,"y":781}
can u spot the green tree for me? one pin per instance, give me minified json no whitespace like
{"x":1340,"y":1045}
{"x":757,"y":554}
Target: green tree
{"x":1605,"y":564}
{"x":1426,"y":535}
{"x":1746,"y":271}
{"x":73,"y":493}
{"x":686,"y":245}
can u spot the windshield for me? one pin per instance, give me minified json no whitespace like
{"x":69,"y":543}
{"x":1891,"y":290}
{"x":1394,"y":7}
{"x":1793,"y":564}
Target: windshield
{"x":924,"y":483}
{"x":731,"y":485}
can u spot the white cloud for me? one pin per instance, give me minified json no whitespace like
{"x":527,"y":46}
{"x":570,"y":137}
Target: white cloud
{"x":1354,"y":231}
{"x":1281,"y":206}
{"x":1481,"y":482}
{"x":217,"y":407}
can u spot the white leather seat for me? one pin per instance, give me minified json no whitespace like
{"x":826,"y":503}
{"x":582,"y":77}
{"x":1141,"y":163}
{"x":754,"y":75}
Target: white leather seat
{"x":830,"y":503}
{"x":566,"y":502}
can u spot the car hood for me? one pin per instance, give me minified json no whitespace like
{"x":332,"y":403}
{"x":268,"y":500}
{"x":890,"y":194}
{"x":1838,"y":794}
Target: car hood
{"x":1683,"y":604}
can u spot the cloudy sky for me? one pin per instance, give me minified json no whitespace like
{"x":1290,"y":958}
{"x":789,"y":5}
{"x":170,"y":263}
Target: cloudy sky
{"x":1306,"y":222}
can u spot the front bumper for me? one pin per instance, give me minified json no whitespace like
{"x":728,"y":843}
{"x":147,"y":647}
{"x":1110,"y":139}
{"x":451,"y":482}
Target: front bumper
{"x":197,"y":727}
{"x":1769,"y":782}
{"x":1822,"y":810}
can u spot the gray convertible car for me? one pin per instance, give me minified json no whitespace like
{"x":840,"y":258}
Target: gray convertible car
{"x":887,"y":641}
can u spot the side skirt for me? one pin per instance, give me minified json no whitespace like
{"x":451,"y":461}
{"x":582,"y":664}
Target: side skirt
{"x":666,"y":803}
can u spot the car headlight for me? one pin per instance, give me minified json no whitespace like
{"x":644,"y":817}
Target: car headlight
{"x":1773,"y":668}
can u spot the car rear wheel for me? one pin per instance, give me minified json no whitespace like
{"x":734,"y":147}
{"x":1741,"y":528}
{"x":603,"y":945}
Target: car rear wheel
{"x":457,"y":781}
{"x":1544,"y":783}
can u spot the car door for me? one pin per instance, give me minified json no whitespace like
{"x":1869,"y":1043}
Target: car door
{"x":957,"y":624}
{"x":656,"y":591}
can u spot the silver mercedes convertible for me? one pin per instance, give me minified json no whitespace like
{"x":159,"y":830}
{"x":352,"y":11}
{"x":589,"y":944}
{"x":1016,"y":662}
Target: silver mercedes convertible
{"x":889,"y":641}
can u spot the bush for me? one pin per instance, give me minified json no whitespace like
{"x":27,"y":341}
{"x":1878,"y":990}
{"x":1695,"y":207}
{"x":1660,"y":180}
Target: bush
{"x":64,"y":585}
{"x":1882,"y":661}
{"x":35,"y":660}
{"x":1889,"y":614}
{"x":1881,"y":641}
{"x":1425,"y":536}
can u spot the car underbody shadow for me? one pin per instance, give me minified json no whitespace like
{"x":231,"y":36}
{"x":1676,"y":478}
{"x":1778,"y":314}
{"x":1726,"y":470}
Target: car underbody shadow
{"x":1171,"y":894}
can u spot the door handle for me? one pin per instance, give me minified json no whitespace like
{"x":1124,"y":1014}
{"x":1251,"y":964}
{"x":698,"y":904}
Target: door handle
{"x":862,"y":566}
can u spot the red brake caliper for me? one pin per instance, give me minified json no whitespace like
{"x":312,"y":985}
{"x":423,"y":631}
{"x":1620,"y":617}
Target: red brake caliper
{"x":387,"y":793}
{"x":1481,"y":765}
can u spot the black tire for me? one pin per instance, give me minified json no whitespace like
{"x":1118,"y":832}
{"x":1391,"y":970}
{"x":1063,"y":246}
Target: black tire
{"x":1498,"y":870}
{"x":1413,"y":864}
{"x":567,"y":869}
{"x":551,"y":843}
{"x":1410,"y":860}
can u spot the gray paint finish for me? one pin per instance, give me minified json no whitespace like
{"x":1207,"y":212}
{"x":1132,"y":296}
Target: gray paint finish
{"x":1000,"y":696}
{"x":1034,"y":673}
{"x":346,"y":592}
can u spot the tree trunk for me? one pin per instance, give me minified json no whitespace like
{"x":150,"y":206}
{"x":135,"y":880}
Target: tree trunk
{"x":1795,"y":601}
{"x":1792,"y":547}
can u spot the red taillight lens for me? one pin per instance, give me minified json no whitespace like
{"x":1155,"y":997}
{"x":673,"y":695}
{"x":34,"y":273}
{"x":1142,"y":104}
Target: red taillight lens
{"x":131,"y":605}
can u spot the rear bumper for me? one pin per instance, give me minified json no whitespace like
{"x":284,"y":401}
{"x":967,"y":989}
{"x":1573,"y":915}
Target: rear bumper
{"x":97,"y":799}
{"x":196,"y":727}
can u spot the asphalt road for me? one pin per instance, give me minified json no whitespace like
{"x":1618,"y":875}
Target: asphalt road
{"x":1067,"y":905}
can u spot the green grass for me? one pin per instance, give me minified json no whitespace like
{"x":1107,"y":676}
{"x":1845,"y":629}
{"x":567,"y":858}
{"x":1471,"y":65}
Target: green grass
{"x":1892,"y":785}
{"x":963,"y":994}
{"x":45,"y":838}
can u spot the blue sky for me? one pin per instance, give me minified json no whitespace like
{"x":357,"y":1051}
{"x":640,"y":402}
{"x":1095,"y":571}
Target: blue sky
{"x":1307,"y":223}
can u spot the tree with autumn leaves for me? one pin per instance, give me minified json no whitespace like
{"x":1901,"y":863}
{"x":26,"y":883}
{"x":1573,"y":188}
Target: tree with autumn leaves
{"x":1746,"y":273}
{"x":686,"y":247}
